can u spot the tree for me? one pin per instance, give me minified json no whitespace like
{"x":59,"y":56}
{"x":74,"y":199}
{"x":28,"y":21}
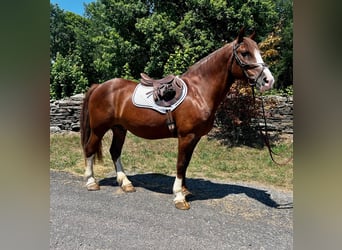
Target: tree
{"x":159,"y":39}
{"x":118,"y":38}
{"x":66,"y":76}
{"x":115,"y":38}
{"x":278,"y":46}
{"x":58,"y":34}
{"x":64,"y":29}
{"x":67,"y":55}
{"x":284,"y":71}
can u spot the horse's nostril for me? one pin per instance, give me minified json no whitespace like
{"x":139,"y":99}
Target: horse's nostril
{"x":265,"y":80}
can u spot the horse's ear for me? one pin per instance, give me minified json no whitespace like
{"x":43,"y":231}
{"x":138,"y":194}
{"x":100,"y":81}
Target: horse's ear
{"x":241,"y":35}
{"x":253,"y":35}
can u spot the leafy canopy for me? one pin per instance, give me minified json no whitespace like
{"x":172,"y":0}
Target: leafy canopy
{"x":121,"y":38}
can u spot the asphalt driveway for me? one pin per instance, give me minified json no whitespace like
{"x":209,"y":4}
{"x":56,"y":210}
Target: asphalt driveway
{"x":222,"y":216}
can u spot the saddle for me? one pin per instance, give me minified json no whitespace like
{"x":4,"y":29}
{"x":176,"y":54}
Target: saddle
{"x":166,"y":91}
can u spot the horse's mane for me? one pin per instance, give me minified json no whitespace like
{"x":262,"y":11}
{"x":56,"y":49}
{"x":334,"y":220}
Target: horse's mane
{"x":209,"y":60}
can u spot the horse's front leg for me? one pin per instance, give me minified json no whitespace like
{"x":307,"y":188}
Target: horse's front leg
{"x":186,"y":146}
{"x":121,"y":178}
{"x":119,"y":135}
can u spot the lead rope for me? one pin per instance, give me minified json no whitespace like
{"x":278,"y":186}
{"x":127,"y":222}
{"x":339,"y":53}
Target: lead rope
{"x":265,"y":136}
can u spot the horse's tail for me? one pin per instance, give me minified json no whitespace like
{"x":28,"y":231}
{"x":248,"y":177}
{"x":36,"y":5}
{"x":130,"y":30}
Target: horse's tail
{"x":85,"y":125}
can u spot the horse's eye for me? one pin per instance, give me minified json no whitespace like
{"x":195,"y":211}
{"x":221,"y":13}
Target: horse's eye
{"x":244,"y":54}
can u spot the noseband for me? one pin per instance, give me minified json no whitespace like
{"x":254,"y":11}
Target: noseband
{"x":246,"y":66}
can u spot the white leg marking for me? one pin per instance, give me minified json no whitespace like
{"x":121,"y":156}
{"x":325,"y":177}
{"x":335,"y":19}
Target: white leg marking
{"x":89,"y":174}
{"x":177,"y":190}
{"x":121,"y":177}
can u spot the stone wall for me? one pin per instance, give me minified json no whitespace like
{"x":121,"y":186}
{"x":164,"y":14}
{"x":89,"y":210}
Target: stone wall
{"x":65,"y":113}
{"x":279,"y":114}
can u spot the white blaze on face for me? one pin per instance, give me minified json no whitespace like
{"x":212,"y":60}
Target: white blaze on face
{"x":268,"y":75}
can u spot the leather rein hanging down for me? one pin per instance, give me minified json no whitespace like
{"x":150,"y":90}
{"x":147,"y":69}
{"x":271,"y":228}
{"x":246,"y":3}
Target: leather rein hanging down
{"x":252,"y":83}
{"x":265,"y":136}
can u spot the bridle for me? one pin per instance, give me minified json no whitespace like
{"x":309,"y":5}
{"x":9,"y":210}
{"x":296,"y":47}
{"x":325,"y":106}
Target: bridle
{"x":253,"y":81}
{"x":245,"y":66}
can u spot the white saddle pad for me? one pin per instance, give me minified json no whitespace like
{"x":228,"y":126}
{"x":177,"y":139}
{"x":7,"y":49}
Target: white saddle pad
{"x":143,"y":99}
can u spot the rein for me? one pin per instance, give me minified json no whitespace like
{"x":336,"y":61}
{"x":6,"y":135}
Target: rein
{"x":252,"y":83}
{"x":266,"y":136}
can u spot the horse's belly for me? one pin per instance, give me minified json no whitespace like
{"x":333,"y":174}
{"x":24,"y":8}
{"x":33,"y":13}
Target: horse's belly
{"x":151,"y":132}
{"x":148,"y":125}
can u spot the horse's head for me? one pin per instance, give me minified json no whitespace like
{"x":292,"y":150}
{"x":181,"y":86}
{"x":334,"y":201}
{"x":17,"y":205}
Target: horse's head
{"x":248,"y":62}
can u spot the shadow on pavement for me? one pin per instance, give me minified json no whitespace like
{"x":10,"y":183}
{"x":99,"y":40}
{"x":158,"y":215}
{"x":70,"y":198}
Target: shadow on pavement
{"x":200,"y":188}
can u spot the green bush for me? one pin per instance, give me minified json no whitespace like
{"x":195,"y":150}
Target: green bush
{"x":66,"y":76}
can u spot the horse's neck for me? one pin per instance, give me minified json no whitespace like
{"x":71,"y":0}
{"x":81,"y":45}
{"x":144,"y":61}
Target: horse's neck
{"x":213,"y":72}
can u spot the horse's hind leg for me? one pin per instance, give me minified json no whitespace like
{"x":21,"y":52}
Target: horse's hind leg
{"x":90,"y":150}
{"x":119,"y":135}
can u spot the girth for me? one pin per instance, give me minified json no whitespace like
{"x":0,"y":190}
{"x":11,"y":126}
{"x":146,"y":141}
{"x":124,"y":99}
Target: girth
{"x":166,"y":91}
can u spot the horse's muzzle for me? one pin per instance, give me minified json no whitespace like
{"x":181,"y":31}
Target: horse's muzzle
{"x":266,"y":81}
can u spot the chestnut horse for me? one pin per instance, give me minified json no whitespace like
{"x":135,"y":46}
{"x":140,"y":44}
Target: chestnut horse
{"x":108,"y":106}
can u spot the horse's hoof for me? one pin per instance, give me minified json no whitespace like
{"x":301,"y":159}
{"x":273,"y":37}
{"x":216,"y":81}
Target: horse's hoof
{"x":128,"y":188}
{"x":182,"y":205}
{"x":93,"y":186}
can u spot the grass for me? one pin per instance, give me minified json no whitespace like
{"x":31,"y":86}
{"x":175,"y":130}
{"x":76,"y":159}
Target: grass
{"x":210,"y":160}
